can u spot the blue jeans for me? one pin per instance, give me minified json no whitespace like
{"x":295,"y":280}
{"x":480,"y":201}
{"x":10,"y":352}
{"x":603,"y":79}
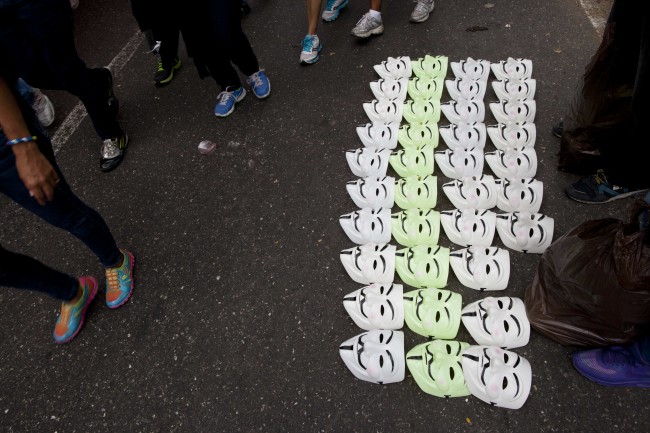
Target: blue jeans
{"x":65,"y":211}
{"x":26,"y":91}
{"x":38,"y":37}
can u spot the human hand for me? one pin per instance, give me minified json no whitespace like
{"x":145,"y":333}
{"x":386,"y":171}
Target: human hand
{"x":35,"y":171}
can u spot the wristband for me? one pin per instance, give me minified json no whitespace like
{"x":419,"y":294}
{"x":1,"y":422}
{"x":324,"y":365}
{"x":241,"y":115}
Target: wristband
{"x":20,"y":140}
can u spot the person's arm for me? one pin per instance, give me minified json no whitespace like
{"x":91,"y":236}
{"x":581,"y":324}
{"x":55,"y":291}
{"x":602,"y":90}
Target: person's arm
{"x":33,"y":168}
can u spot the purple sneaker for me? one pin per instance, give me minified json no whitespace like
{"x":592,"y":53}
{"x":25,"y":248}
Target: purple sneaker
{"x":614,"y":366}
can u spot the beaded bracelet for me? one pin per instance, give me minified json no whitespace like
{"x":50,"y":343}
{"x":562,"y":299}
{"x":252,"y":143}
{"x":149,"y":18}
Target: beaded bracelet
{"x":21,"y":140}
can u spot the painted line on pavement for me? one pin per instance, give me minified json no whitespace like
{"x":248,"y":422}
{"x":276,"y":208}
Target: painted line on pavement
{"x":79,"y":113}
{"x":594,"y":15}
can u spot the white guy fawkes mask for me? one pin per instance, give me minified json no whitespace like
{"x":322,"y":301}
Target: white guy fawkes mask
{"x":469,"y":227}
{"x":425,"y":88}
{"x":413,"y":162}
{"x":498,"y":322}
{"x":373,"y":192}
{"x":423,"y":266}
{"x":514,"y":135}
{"x":422,"y":111}
{"x":460,"y":163}
{"x":513,"y":111}
{"x":384,"y":111}
{"x":513,"y":163}
{"x":413,"y":227}
{"x":418,"y":135}
{"x":390,"y":89}
{"x":378,"y":135}
{"x":367,"y":226}
{"x":464,"y":111}
{"x":416,"y":192}
{"x":481,"y":268}
{"x":368,"y":162}
{"x":515,"y":89}
{"x":513,"y":69}
{"x":377,"y":306}
{"x":375,"y":356}
{"x":394,"y":68}
{"x":525,"y":232}
{"x":463,"y":88}
{"x":430,"y":67}
{"x":496,"y":376}
{"x":472,"y":192}
{"x":370,"y":263}
{"x":433,"y":312}
{"x":471,"y":69}
{"x":464,"y":135}
{"x":519,"y":195}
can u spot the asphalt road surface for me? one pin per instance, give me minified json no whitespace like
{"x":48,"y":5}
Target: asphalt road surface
{"x":236,"y":319}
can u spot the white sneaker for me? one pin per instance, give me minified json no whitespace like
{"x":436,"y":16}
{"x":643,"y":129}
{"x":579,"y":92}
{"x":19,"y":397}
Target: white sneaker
{"x":421,"y":11}
{"x":44,"y":108}
{"x":368,"y":26}
{"x":311,"y":48}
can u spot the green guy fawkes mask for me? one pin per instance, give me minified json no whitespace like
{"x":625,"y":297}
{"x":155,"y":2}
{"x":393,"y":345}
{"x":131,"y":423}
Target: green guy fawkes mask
{"x":437,"y":368}
{"x":423,"y":266}
{"x":416,"y":192}
{"x":416,"y":227}
{"x":433,"y":312}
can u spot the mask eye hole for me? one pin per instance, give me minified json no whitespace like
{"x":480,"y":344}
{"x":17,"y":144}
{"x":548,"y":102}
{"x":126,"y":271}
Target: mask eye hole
{"x":448,"y":349}
{"x":475,"y":227}
{"x":487,"y":251}
{"x":374,"y":264}
{"x":437,"y":316}
{"x":487,"y":269}
{"x":381,"y":362}
{"x":523,"y":195}
{"x":478,"y":192}
{"x":377,"y":191}
{"x":500,"y":303}
{"x":382,"y":310}
{"x":518,"y":161}
{"x":506,"y":326}
{"x":451,"y":373}
{"x":505,"y":383}
{"x":505,"y":358}
{"x":421,"y":228}
{"x":439,"y":296}
{"x":428,"y":268}
{"x":531,"y":232}
{"x":381,"y":338}
{"x":381,"y":291}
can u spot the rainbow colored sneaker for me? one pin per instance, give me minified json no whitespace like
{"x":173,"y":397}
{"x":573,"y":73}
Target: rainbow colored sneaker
{"x":72,"y":317}
{"x":119,"y":281}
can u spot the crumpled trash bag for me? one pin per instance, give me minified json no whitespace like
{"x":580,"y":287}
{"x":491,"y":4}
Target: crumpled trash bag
{"x":592,"y":285}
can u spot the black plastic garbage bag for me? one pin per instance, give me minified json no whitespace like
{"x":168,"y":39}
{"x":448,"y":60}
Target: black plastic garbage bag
{"x":592,"y":286}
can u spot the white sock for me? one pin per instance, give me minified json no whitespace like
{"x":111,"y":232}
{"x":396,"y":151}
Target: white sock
{"x":375,"y":14}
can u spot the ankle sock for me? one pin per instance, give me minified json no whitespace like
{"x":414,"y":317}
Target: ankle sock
{"x":374,"y":14}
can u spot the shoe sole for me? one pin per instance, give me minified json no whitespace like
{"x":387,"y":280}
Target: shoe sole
{"x":90,"y":299}
{"x":233,"y":105}
{"x":376,"y":31}
{"x":616,"y":197}
{"x":132,"y":262}
{"x":338,"y":12}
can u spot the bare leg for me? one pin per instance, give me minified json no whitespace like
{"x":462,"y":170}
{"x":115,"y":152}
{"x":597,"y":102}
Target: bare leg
{"x":313,"y":12}
{"x":375,"y":5}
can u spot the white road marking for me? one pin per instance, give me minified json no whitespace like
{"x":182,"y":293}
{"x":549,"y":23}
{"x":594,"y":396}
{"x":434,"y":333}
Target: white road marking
{"x":78,"y":113}
{"x":595,"y":15}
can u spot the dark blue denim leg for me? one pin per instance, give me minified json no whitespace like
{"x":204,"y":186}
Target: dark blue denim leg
{"x":38,"y":36}
{"x":22,"y":272}
{"x":66,"y":211}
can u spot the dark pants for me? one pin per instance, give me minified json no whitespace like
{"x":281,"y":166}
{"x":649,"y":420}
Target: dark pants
{"x":231,"y":44}
{"x":38,"y":35}
{"x":161,"y":18}
{"x":66,"y":211}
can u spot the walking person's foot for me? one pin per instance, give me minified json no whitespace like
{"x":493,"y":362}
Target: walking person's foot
{"x":367,"y":26}
{"x":119,"y":281}
{"x":227,"y":99}
{"x":311,"y":48}
{"x":73,"y":313}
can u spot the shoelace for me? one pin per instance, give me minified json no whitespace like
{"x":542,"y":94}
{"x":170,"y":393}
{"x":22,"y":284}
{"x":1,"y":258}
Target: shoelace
{"x":364,"y":19}
{"x":600,"y":178}
{"x":308,"y":44}
{"x":224,"y":96}
{"x":255,"y":80}
{"x":160,"y":67}
{"x":112,"y":280}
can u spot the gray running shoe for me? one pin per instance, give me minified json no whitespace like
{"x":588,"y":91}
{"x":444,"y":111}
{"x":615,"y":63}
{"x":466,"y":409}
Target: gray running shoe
{"x":44,"y":108}
{"x":421,"y":11}
{"x":368,"y":26}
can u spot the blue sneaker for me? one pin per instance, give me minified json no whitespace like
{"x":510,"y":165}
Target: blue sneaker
{"x":72,"y":316}
{"x":119,"y":281}
{"x":333,"y":9}
{"x":226,"y":101}
{"x":615,"y":365}
{"x":311,"y":48}
{"x":260,"y":84}
{"x":598,"y":189}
